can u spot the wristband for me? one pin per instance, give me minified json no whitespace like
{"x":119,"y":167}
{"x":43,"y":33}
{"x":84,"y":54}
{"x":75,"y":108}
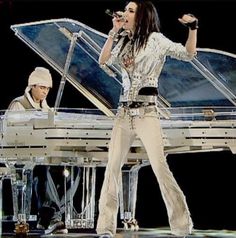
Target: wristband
{"x":112,"y":34}
{"x":192,"y":25}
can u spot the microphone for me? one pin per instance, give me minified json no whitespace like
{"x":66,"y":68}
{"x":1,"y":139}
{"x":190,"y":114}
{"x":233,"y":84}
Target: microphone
{"x":113,"y":14}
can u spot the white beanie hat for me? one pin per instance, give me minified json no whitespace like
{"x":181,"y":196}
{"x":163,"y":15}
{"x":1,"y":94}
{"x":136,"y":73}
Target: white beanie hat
{"x":40,"y":76}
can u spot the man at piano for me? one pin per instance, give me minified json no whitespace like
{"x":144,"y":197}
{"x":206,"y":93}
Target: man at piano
{"x":34,"y":98}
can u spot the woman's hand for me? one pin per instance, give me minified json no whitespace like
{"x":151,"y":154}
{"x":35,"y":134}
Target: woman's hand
{"x":118,"y":21}
{"x":189,"y":20}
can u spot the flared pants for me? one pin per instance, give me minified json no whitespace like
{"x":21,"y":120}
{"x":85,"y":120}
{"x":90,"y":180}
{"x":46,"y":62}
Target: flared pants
{"x":144,"y":123}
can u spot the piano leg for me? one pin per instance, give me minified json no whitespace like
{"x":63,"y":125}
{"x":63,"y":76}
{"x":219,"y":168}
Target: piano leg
{"x":83,"y":217}
{"x":4,"y":173}
{"x":21,"y":183}
{"x":128,"y":195}
{"x":1,"y":178}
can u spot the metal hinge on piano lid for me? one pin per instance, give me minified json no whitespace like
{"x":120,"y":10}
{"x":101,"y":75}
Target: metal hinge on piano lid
{"x":209,"y":114}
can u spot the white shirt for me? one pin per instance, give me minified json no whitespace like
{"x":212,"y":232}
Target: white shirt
{"x":148,"y":63}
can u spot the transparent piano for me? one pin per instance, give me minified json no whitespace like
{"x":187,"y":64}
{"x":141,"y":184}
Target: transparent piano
{"x":196,"y":99}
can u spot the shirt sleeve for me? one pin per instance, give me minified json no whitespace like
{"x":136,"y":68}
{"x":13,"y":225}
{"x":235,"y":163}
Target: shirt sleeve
{"x":114,"y":54}
{"x":16,"y":106}
{"x":163,"y":46}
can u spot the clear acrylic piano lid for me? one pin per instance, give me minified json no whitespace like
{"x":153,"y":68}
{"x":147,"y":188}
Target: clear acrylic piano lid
{"x":209,"y":80}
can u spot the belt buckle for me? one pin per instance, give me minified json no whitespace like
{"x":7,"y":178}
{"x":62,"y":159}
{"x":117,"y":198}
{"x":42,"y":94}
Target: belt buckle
{"x":134,"y":111}
{"x":137,"y":111}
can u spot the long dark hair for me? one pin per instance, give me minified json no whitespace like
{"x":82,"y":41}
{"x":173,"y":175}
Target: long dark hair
{"x":146,"y":22}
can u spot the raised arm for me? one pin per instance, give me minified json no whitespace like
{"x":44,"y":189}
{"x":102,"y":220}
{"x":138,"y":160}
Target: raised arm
{"x":192,"y":23}
{"x":118,"y":22}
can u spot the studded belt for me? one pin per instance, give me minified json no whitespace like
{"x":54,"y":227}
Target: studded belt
{"x":139,"y":111}
{"x":136,"y":104}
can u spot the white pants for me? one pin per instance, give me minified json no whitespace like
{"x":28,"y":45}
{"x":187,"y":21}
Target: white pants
{"x":145,"y":124}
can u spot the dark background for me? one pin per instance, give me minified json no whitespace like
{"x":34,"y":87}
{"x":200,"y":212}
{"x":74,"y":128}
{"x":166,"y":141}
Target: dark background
{"x":207,"y":179}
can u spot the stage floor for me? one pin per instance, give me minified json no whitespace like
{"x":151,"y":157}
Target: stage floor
{"x":142,"y":233}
